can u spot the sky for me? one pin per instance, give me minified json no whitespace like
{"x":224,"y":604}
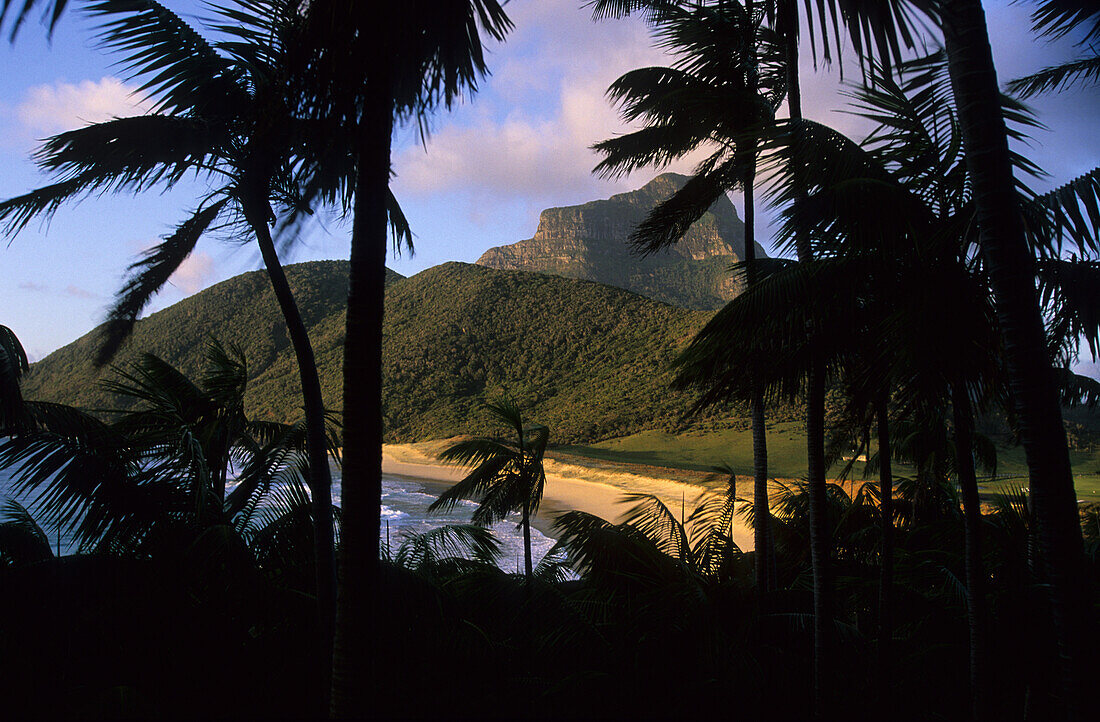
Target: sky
{"x":487,"y":170}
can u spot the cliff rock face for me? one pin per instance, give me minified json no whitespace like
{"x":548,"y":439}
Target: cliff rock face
{"x":590,"y":242}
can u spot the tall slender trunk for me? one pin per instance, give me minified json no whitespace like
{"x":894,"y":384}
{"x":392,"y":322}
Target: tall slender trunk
{"x":886,"y":579}
{"x":361,"y":491}
{"x":760,"y":505}
{"x":1034,"y":394}
{"x":528,"y":573}
{"x":815,"y":428}
{"x":320,"y":478}
{"x":976,"y":614}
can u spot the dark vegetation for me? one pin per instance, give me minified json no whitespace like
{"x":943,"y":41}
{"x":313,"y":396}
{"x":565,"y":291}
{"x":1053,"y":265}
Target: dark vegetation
{"x":964,"y":611}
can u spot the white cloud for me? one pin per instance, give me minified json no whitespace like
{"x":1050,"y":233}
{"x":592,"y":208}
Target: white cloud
{"x":194,"y":273}
{"x":77,"y":292}
{"x":530,"y":131}
{"x":47,"y":109}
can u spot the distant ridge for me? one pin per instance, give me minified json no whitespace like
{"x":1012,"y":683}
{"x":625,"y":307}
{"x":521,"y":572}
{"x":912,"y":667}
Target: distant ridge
{"x":589,"y":360}
{"x":590,"y":242}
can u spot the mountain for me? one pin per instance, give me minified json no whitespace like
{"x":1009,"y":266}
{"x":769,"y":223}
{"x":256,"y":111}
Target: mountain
{"x":590,"y":242}
{"x":588,"y":360}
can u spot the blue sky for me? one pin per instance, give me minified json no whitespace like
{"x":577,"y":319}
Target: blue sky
{"x":490,"y":166}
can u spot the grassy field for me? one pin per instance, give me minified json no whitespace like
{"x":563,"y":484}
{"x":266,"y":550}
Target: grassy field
{"x":787,"y":456}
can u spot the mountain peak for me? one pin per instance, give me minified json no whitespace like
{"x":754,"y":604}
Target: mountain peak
{"x":590,"y":242}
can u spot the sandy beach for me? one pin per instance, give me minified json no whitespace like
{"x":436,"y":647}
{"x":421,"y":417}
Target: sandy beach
{"x":571,"y":483}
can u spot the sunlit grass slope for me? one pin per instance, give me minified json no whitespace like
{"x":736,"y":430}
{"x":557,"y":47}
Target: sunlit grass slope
{"x":701,"y":450}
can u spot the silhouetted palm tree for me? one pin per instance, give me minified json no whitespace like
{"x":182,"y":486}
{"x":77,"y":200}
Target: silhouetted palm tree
{"x":728,"y":79}
{"x":366,"y":69}
{"x":507,"y":476}
{"x":869,"y":210}
{"x":224,"y":110}
{"x":1010,"y":265}
{"x":185,"y":463}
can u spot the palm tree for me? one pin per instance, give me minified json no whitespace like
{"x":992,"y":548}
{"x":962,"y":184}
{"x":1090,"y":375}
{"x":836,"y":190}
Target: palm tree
{"x":874,"y":29}
{"x":367,"y":70}
{"x":1035,"y":394}
{"x":506,"y":476}
{"x":162,"y":474}
{"x":224,"y":111}
{"x":729,"y":78}
{"x":911,"y":165}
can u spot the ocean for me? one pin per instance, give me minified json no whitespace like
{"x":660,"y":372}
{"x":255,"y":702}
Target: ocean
{"x":404,"y":503}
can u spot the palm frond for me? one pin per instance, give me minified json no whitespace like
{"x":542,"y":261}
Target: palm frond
{"x":22,"y":540}
{"x":1069,"y":290}
{"x":178,"y":66}
{"x":1074,"y":211}
{"x":13,"y":363}
{"x":134,"y":153}
{"x":474,"y":452}
{"x":148,"y":275}
{"x":42,"y":203}
{"x":554,"y":567}
{"x":1077,"y":389}
{"x":711,"y":525}
{"x":399,"y":224}
{"x":226,"y":376}
{"x":450,"y":541}
{"x":656,"y":522}
{"x":647,"y":9}
{"x":878,"y":31}
{"x":670,"y":219}
{"x":1055,"y":18}
{"x":651,"y":146}
{"x":508,"y":412}
{"x":474,"y":486}
{"x":611,"y":553}
{"x":52,"y":10}
{"x":1082,"y":72}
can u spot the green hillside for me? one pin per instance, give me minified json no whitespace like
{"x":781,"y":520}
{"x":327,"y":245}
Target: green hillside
{"x":588,"y":360}
{"x":241,"y":310}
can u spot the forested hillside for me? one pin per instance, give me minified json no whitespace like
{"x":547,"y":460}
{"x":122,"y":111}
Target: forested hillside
{"x":586,"y":359}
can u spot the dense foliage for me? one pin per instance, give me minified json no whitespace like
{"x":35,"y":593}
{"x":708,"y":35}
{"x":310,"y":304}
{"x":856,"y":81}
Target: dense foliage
{"x":589,"y":360}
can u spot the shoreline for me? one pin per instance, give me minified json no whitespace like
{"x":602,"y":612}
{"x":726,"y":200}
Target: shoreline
{"x":596,"y":488}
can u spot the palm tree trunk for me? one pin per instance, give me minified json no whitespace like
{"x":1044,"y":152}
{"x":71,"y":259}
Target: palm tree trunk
{"x":975,"y":570}
{"x":360,"y":566}
{"x":815,"y":426}
{"x":1034,"y":394}
{"x":762,"y":513}
{"x":320,"y":478}
{"x":528,"y":573}
{"x":886,"y":580}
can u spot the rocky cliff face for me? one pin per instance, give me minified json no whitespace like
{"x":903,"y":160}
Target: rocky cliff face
{"x":589,"y":242}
